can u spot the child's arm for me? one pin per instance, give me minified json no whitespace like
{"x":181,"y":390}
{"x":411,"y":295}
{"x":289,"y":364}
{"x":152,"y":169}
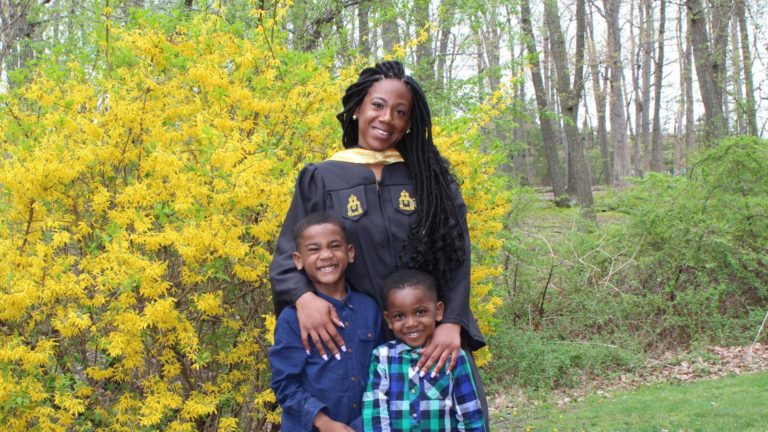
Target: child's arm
{"x":287,"y":359}
{"x":376,"y":397}
{"x":468,"y":411}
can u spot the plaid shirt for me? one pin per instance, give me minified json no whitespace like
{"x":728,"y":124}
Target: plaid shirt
{"x":397,"y":399}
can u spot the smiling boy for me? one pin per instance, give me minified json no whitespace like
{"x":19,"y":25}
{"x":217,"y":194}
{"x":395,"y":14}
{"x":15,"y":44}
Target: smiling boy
{"x":315,"y":392}
{"x":399,"y":397}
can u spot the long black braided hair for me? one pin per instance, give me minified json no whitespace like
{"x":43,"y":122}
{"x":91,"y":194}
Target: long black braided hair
{"x":437,"y":238}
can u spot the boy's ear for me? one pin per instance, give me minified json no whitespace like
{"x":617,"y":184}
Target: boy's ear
{"x":351,"y":253}
{"x":297,"y":260}
{"x":386,"y":318}
{"x":439,"y":309}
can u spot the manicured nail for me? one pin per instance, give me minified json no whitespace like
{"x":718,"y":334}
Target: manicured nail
{"x":433,"y":375}
{"x":421,"y":374}
{"x":344,"y":348}
{"x":338,"y":356}
{"x":416,"y":369}
{"x":325,"y":357}
{"x":307,"y":351}
{"x":341,"y":324}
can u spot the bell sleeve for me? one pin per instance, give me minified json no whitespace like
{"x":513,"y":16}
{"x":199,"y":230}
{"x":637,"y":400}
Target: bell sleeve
{"x":288,"y":283}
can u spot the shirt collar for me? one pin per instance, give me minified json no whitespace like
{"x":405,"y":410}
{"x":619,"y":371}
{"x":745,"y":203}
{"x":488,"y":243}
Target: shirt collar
{"x":365,"y":156}
{"x":402,"y":349}
{"x":335,"y":301}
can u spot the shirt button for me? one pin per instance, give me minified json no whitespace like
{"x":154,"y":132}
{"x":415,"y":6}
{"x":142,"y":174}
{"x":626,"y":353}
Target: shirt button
{"x":353,"y":379}
{"x":414,"y":415}
{"x":354,"y":405}
{"x":413,"y":391}
{"x":370,"y":334}
{"x":346,"y":323}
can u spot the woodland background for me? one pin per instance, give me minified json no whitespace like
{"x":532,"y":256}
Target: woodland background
{"x":610,"y":153}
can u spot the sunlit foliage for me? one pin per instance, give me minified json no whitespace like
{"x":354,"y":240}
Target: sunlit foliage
{"x":140,"y":199}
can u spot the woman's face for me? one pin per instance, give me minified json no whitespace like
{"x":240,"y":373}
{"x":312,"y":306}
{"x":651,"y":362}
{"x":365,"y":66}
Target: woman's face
{"x":384,"y":115}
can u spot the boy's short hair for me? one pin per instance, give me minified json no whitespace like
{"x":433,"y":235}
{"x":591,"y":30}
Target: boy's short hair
{"x":407,"y":278}
{"x":317,"y":218}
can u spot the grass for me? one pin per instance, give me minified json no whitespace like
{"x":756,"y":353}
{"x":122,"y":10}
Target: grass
{"x":735,"y":403}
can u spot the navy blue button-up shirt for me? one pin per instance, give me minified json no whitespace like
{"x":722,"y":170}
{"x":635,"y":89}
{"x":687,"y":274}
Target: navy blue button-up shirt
{"x":305,"y":384}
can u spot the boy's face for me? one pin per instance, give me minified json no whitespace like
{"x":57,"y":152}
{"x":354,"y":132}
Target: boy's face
{"x":412,"y":314}
{"x":324,"y":254}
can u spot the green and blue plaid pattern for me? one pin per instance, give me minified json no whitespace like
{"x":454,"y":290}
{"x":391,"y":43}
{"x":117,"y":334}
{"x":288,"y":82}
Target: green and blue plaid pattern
{"x":398,"y":399}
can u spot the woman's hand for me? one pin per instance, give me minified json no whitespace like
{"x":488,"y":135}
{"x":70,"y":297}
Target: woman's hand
{"x":442,"y":347}
{"x":318,"y":321}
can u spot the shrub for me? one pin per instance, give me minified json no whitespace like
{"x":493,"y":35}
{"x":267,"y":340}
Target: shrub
{"x":140,"y":201}
{"x":675,"y":261}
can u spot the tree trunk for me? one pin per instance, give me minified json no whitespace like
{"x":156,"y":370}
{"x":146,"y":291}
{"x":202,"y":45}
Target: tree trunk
{"x":656,"y":139}
{"x":646,"y":48}
{"x":750,"y":111}
{"x":570,"y":96}
{"x":547,"y":132}
{"x":635,"y":65}
{"x":622,"y":164}
{"x":735,"y":79}
{"x":491,"y":48}
{"x":708,"y":71}
{"x":600,"y":103}
{"x":681,"y":134}
{"x":446,"y":19}
{"x":425,"y":58}
{"x":16,"y":33}
{"x":389,"y":28}
{"x":364,"y":40}
{"x":691,"y":143}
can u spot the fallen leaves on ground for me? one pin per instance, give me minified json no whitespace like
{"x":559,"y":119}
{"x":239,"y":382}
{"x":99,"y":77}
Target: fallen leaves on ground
{"x":670,"y":367}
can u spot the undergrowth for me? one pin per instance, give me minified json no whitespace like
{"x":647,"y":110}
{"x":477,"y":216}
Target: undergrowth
{"x":674,"y":262}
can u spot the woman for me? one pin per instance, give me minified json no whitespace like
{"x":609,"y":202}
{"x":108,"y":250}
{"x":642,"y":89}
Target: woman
{"x":402,"y":209}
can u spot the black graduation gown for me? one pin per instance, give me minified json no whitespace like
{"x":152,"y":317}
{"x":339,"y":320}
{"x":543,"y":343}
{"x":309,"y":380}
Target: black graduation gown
{"x":378,"y":219}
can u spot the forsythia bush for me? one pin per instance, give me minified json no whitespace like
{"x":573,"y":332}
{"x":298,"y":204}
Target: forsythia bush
{"x":139,"y":208}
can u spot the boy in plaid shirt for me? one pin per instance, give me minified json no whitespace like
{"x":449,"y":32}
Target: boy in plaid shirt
{"x":399,"y":397}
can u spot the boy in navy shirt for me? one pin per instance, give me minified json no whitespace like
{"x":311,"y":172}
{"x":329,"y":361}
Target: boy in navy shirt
{"x":318,"y":393}
{"x":399,"y":397}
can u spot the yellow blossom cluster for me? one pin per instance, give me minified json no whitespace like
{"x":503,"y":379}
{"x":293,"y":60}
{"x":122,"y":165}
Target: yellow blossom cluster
{"x":140,"y":204}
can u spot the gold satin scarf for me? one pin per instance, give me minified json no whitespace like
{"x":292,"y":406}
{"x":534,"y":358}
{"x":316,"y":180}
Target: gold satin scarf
{"x":365,"y":156}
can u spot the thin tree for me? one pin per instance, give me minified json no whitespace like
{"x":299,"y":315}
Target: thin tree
{"x":656,"y":140}
{"x":599,"y":93}
{"x":749,"y":108}
{"x":364,"y":35}
{"x":621,"y":159}
{"x":646,"y":49}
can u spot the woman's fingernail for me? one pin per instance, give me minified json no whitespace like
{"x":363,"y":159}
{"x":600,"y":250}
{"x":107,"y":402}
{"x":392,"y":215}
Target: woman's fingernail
{"x":344,"y":348}
{"x":421,"y":374}
{"x":341,"y":324}
{"x":325,"y":357}
{"x":338,"y":356}
{"x":306,"y":351}
{"x":433,"y":375}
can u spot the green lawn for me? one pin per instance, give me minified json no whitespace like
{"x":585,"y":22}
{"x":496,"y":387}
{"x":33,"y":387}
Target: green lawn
{"x":736,"y":403}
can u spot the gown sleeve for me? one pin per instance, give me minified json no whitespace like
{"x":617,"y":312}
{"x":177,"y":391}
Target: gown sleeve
{"x":288,"y":283}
